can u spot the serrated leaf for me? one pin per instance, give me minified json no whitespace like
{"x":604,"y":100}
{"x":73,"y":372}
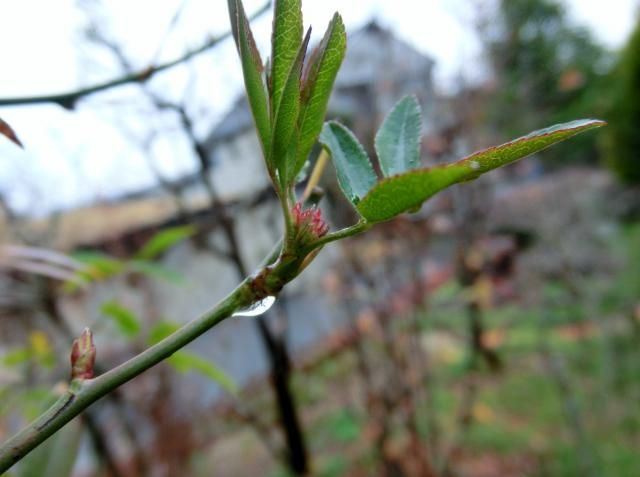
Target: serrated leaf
{"x":395,"y":195}
{"x":353,"y":167}
{"x":398,"y":140}
{"x":161,"y":330}
{"x":164,"y":240}
{"x":252,"y":69}
{"x":184,"y":362}
{"x":286,"y":40}
{"x":286,"y":116}
{"x":155,"y":270}
{"x":126,"y":321}
{"x":317,"y":84}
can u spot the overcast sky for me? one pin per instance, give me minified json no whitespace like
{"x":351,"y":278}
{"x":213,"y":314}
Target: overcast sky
{"x":81,"y":156}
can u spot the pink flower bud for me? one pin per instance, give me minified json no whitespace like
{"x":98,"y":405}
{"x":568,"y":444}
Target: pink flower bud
{"x":83,"y":356}
{"x":309,"y":223}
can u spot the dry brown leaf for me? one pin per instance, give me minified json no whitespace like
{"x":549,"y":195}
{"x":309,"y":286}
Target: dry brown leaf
{"x":6,"y":130}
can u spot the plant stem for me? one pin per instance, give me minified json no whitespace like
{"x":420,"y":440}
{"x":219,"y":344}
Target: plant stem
{"x":81,"y":394}
{"x":350,"y":231}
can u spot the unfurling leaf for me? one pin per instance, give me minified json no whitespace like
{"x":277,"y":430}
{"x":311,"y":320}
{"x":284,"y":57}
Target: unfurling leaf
{"x":285,"y":47}
{"x":184,"y":362}
{"x":398,"y":140}
{"x":397,"y":194}
{"x":252,"y":69}
{"x":6,"y":131}
{"x":124,"y":318}
{"x":317,"y":82}
{"x":355,"y":173}
{"x":286,"y":116}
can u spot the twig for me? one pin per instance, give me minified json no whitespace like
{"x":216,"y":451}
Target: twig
{"x":69,"y":99}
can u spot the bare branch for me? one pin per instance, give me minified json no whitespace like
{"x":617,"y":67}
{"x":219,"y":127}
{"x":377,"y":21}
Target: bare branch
{"x":68,"y":100}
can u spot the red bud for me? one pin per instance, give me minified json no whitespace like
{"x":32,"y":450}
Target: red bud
{"x":83,"y":356}
{"x":309,"y":223}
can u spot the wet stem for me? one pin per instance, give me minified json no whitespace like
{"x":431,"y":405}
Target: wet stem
{"x":358,"y":228}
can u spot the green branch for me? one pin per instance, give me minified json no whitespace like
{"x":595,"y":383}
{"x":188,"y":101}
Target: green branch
{"x":69,"y":99}
{"x":83,"y":392}
{"x":347,"y":232}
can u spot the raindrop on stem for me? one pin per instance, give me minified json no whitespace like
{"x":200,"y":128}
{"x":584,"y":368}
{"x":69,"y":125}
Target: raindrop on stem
{"x":258,"y":308}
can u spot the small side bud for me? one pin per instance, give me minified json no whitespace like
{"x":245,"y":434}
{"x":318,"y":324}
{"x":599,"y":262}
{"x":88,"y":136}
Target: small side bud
{"x":83,"y":356}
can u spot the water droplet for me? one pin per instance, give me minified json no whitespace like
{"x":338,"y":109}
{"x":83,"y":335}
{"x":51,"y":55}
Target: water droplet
{"x":475,"y":165}
{"x":258,"y":308}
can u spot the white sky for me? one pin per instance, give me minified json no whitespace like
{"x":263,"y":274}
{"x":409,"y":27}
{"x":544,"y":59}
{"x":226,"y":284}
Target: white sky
{"x":77,"y":157}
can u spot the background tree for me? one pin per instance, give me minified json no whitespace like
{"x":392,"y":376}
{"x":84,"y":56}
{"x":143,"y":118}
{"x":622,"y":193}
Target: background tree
{"x":542,"y":64}
{"x":622,"y":142}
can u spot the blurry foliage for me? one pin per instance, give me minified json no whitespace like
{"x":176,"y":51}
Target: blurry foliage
{"x":546,"y":68}
{"x":185,"y":362}
{"x":100,"y":266}
{"x":39,"y":352}
{"x":164,"y":240}
{"x":622,"y":140}
{"x":128,"y":324}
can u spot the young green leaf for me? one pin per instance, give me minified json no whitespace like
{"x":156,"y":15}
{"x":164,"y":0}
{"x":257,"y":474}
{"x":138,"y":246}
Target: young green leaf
{"x":285,"y":46}
{"x":286,"y":117}
{"x":124,"y":318}
{"x":317,"y":83}
{"x":163,"y":241}
{"x":252,"y":69}
{"x":355,"y":174}
{"x":398,"y":140}
{"x":183,"y":362}
{"x":398,"y":194}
